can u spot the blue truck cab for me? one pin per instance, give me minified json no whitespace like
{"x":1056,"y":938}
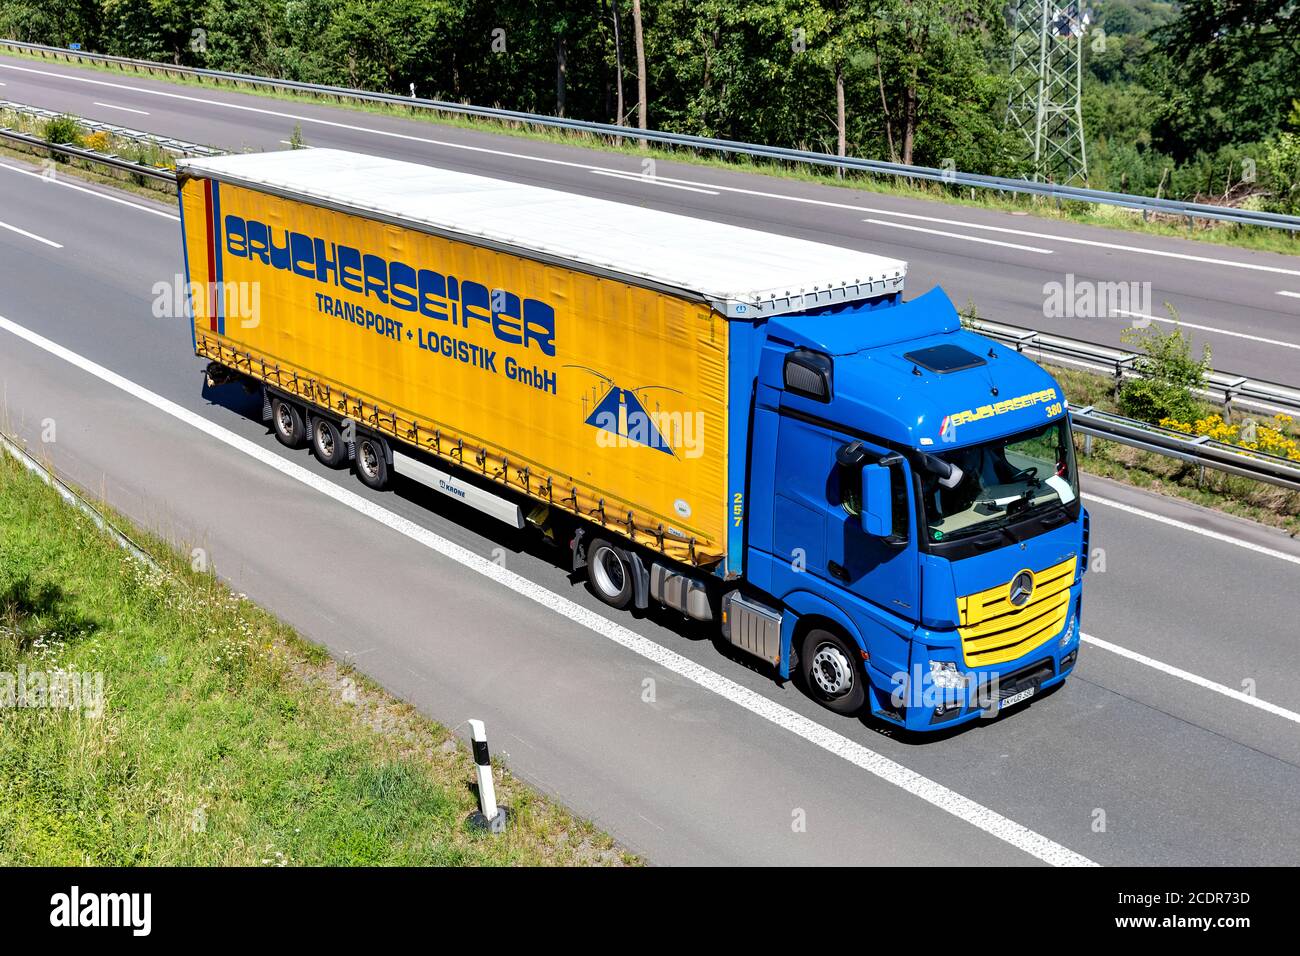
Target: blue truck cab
{"x":913,"y":510}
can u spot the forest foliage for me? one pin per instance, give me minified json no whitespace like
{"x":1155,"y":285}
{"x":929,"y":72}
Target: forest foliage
{"x":1197,"y":99}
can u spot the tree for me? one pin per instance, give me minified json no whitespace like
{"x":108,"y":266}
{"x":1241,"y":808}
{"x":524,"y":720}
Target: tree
{"x":618,"y":62}
{"x":639,"y":34}
{"x":1225,"y":71}
{"x":938,"y":94}
{"x":848,"y":25}
{"x":58,"y":22}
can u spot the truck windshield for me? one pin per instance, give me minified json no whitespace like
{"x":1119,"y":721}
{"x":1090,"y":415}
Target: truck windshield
{"x":1002,"y":481}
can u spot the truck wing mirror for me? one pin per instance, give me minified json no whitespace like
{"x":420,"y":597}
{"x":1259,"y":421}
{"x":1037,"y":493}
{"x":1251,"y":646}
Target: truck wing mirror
{"x":877,"y":501}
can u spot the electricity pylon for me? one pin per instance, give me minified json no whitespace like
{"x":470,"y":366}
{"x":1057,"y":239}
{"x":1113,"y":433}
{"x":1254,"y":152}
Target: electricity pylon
{"x":1046,"y":82}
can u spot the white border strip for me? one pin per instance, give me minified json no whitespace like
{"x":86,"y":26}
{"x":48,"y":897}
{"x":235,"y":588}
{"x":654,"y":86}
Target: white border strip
{"x":890,"y":771}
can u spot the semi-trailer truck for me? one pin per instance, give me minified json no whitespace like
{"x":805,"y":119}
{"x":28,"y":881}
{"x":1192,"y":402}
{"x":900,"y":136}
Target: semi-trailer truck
{"x":753,"y":430}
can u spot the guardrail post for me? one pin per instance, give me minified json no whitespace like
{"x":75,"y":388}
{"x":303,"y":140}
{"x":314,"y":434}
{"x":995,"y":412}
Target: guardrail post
{"x":1087,"y":439}
{"x":1121,"y":365}
{"x":1230,"y":391}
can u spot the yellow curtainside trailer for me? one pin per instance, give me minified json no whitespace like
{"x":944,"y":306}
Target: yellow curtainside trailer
{"x":602,"y":397}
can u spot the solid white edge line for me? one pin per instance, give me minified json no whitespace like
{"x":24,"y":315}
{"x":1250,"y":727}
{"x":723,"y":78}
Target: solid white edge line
{"x":30,"y":235}
{"x":1191,"y":678}
{"x":878,"y":765}
{"x":1126,"y":314}
{"x":1293,"y":295}
{"x":1186,"y":526}
{"x":958,"y":235}
{"x":91,"y":192}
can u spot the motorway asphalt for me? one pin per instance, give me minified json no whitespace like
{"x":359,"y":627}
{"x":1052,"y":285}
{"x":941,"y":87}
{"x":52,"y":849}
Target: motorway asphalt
{"x":999,"y":261}
{"x":1127,"y":764}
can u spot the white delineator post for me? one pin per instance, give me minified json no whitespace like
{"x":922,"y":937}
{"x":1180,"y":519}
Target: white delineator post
{"x":488,"y":816}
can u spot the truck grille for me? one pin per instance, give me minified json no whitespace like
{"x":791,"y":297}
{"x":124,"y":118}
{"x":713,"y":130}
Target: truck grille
{"x":993,"y":630}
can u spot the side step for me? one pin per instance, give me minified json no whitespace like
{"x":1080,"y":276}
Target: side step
{"x":477,"y":498}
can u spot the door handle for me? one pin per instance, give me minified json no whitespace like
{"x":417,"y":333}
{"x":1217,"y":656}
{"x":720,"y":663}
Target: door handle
{"x":837,"y":570}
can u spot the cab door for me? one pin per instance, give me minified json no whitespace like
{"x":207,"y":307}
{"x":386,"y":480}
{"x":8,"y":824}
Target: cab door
{"x":818,"y":528}
{"x":884,"y":571}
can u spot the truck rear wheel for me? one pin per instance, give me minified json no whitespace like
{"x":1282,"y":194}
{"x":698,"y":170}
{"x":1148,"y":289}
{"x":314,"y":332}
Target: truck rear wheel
{"x":327,"y":442}
{"x":286,"y":419}
{"x":372,"y":464}
{"x":832,"y":676}
{"x":609,"y":570}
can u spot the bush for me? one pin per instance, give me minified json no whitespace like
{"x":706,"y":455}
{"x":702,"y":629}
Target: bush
{"x":1167,"y":375}
{"x":63,"y":130}
{"x":1150,"y":401}
{"x":1283,"y":164}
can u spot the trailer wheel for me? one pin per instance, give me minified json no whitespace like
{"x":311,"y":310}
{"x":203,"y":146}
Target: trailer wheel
{"x":609,"y":570}
{"x":327,"y":442}
{"x":286,"y":419}
{"x":372,"y":467}
{"x":832,"y":676}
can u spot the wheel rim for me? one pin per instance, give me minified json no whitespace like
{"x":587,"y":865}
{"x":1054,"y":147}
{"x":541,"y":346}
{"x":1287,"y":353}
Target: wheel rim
{"x":325,"y":440}
{"x":285,"y":418}
{"x":607,"y":567}
{"x":831,"y":671}
{"x":368,"y":459}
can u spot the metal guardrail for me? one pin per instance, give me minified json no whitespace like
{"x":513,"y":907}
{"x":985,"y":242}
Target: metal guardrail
{"x":72,"y":497}
{"x":178,"y":146}
{"x":1225,"y":387}
{"x":1199,"y":450}
{"x":1145,"y":204}
{"x":106,"y":159}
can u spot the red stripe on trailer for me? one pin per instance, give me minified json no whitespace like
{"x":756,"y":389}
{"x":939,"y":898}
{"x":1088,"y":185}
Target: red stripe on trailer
{"x":212,"y":256}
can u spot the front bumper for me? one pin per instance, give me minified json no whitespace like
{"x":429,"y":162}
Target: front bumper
{"x":914,"y":701}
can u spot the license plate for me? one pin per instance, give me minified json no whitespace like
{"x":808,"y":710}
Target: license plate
{"x":1025,"y":694}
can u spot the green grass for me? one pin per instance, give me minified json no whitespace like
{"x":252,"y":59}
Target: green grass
{"x":224,"y":739}
{"x":1248,"y":237}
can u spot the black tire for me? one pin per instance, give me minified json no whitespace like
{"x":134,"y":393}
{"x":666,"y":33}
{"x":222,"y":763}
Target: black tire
{"x":287,"y":420}
{"x":609,"y":572}
{"x":327,"y":442}
{"x":371,"y":465}
{"x":831,"y":671}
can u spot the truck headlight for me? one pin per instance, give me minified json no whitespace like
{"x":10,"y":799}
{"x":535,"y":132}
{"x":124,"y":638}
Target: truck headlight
{"x":1069,"y":631}
{"x":945,"y":674}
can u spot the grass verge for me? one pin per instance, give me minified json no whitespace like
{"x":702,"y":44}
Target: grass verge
{"x":1114,"y":217}
{"x":222,"y":737}
{"x":1256,"y":500}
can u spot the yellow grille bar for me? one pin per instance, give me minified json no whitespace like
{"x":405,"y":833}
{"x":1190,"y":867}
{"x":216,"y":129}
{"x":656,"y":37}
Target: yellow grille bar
{"x":994,"y":631}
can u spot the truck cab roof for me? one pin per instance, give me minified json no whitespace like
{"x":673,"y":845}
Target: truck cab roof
{"x":911,"y":375}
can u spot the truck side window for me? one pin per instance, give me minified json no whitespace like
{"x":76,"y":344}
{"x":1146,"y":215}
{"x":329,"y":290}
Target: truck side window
{"x":850,"y":492}
{"x":850,"y":482}
{"x":898,"y":492}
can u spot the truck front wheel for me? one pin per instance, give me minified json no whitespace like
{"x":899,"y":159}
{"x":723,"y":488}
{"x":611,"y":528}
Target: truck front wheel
{"x":832,"y":676}
{"x":286,"y":419}
{"x":610,"y":572}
